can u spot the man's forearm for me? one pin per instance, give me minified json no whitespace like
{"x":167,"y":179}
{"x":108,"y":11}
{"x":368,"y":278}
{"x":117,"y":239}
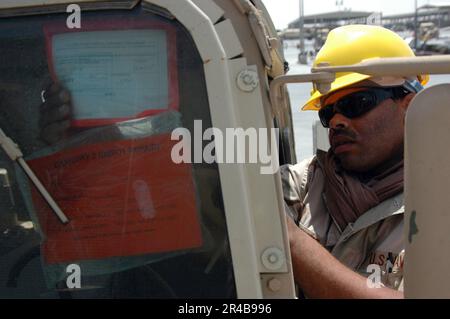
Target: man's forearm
{"x":320,"y":275}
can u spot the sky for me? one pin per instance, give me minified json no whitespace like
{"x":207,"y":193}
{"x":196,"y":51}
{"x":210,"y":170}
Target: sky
{"x":285,"y":11}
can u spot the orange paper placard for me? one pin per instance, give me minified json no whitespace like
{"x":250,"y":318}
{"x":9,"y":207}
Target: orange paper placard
{"x":123,"y":198}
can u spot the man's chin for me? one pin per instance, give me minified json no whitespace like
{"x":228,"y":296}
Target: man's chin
{"x":351,"y":163}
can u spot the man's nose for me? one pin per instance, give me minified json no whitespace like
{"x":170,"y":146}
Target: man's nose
{"x":339,"y":121}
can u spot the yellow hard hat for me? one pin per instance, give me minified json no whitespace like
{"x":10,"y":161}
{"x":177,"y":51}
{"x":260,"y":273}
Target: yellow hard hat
{"x":352,"y":44}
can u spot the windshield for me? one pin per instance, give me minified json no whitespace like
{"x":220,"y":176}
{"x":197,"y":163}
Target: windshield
{"x":92,"y":111}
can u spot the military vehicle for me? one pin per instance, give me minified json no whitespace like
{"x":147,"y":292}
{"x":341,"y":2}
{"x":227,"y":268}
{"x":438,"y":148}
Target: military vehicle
{"x":106,"y":213}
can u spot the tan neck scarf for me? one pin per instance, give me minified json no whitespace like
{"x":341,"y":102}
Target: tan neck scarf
{"x":348,"y":198}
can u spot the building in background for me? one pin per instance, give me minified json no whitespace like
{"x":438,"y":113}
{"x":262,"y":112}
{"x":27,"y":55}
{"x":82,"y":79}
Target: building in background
{"x":433,"y":26}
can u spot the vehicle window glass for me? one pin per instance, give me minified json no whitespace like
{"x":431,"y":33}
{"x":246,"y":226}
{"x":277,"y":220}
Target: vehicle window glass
{"x":140,"y":225}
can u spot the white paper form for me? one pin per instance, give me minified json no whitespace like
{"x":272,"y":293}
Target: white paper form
{"x":113,"y":74}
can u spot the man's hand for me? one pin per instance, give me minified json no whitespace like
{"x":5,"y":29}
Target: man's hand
{"x":321,"y":275}
{"x":55,"y":113}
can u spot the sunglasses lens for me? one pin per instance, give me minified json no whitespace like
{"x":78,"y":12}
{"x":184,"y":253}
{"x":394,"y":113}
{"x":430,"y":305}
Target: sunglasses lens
{"x":326,"y":114}
{"x":356,"y":104}
{"x":353,"y":105}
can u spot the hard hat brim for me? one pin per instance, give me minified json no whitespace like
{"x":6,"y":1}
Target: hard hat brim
{"x":347,"y":80}
{"x":313,"y":104}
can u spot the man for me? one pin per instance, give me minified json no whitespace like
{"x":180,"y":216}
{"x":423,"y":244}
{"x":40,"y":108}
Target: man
{"x":55,"y":114}
{"x":348,"y":202}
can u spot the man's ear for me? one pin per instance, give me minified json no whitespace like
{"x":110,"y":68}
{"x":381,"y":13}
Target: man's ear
{"x":404,"y":103}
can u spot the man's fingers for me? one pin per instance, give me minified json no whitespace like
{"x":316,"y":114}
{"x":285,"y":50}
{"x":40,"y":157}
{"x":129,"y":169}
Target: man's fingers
{"x":51,"y":90}
{"x":53,"y":133}
{"x":54,"y":114}
{"x":56,"y":99}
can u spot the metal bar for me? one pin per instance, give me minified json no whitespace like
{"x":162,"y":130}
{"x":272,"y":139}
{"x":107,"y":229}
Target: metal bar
{"x":15,"y":154}
{"x":319,"y":77}
{"x":436,"y":64}
{"x":41,"y":188}
{"x":324,"y":78}
{"x":416,"y":33}
{"x":301,"y":28}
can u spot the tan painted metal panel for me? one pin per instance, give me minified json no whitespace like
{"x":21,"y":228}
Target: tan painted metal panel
{"x":33,"y":7}
{"x":223,"y":114}
{"x":212,"y":10}
{"x":427,"y":183}
{"x":11,"y":4}
{"x":229,"y":39}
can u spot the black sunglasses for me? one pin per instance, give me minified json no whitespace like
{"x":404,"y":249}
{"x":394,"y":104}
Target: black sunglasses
{"x":359,"y":103}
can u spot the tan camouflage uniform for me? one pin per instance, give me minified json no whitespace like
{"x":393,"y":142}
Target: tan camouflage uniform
{"x":375,"y":238}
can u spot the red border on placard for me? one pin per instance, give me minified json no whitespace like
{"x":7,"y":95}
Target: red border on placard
{"x":52,"y":29}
